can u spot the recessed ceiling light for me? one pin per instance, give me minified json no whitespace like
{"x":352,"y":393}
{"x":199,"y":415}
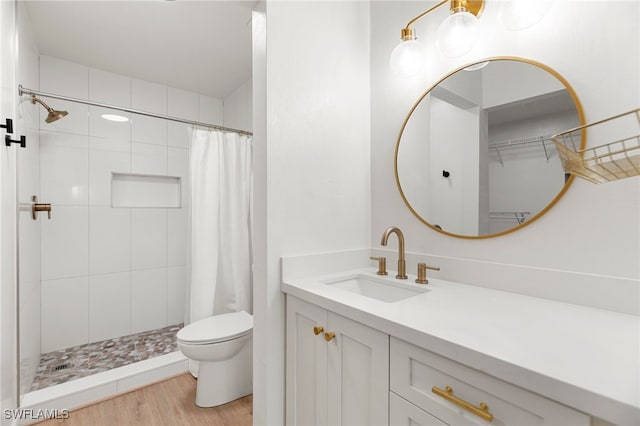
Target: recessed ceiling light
{"x":114,"y":117}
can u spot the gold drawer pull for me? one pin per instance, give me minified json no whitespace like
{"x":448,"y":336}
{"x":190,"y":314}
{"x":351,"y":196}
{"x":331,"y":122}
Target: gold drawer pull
{"x":447,"y":393}
{"x":329,"y":336}
{"x":318,"y":329}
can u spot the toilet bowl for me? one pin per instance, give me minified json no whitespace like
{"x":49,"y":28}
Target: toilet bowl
{"x":223,"y":346}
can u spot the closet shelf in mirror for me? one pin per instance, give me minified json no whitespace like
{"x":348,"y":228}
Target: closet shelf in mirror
{"x":519,"y":143}
{"x":519,"y":217}
{"x":608,"y":162}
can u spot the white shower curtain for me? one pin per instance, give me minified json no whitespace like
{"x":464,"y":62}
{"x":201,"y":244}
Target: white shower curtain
{"x":220,"y":224}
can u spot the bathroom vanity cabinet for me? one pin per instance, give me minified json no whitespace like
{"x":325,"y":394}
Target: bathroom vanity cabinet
{"x":337,"y":369}
{"x":443,"y":352}
{"x":341,"y":372}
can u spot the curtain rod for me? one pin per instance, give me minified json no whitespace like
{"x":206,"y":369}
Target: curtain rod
{"x":25,"y":91}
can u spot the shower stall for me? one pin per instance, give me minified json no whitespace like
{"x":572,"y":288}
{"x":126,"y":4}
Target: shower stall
{"x":103,"y":223}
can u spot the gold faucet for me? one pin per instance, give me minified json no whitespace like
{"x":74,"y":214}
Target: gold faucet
{"x":402,"y":264}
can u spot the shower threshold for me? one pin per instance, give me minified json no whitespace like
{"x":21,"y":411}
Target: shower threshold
{"x":140,"y":359}
{"x":87,"y":390}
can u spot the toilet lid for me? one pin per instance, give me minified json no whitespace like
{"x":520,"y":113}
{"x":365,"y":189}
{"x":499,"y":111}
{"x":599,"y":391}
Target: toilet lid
{"x":217,"y":328}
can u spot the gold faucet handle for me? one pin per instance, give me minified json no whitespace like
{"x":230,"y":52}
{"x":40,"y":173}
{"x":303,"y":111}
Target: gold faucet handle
{"x":39,"y":207}
{"x":422,"y":272}
{"x":382,"y":265}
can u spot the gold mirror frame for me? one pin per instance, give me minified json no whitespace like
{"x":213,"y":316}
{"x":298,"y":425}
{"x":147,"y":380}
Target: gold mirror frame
{"x":548,"y":207}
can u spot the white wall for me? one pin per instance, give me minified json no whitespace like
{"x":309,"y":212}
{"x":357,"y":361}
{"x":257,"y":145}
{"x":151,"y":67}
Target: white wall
{"x":591,"y":239}
{"x":238,"y":108}
{"x":107,"y":271}
{"x":264,"y":405}
{"x":312,"y":176}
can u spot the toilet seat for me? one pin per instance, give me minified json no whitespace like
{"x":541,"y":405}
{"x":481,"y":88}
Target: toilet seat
{"x":216,"y":329}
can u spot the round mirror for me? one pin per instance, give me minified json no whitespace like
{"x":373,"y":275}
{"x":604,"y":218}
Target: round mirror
{"x":474,"y":158}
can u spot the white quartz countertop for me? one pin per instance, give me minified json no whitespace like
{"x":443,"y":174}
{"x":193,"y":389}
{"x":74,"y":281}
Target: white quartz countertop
{"x":585,"y":358}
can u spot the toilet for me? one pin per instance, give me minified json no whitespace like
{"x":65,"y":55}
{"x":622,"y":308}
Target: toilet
{"x":223,"y":346}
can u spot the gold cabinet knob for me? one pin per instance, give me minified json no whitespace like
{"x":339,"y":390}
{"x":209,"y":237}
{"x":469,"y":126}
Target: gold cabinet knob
{"x":318,"y":329}
{"x":329,"y":336}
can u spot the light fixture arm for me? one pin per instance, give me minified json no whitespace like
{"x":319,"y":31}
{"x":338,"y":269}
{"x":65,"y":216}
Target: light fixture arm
{"x":474,"y":7}
{"x":407,"y":32}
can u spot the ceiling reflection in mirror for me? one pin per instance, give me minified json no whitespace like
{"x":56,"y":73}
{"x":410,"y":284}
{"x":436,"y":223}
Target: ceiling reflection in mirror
{"x":474,"y":157}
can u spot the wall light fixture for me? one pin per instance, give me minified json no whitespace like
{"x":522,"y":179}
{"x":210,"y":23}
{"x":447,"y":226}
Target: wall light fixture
{"x":518,"y":15}
{"x":456,"y":36}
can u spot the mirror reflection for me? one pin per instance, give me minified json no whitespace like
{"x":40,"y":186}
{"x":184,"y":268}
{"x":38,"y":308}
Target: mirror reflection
{"x":474,"y":157}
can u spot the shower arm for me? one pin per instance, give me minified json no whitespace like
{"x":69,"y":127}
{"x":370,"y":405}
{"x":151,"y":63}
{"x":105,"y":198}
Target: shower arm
{"x":34,"y":99}
{"x":25,"y":91}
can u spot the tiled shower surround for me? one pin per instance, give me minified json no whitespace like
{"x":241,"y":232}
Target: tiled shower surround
{"x":80,"y":361}
{"x":108,"y":269}
{"x":101,"y":270}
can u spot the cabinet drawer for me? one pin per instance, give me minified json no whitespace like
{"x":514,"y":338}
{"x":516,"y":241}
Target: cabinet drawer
{"x":402,"y":413}
{"x":416,"y":373}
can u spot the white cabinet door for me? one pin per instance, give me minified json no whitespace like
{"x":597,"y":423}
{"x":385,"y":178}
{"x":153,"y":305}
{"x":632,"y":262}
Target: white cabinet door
{"x":306,"y":383}
{"x":358,"y":374}
{"x":340,"y":381}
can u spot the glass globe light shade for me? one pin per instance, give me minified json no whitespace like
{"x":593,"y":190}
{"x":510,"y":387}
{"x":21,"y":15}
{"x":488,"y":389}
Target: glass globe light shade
{"x":456,"y":34}
{"x":521,"y":14}
{"x":408,"y":58}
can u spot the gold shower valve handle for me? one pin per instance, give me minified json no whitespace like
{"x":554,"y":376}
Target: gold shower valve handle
{"x":329,"y":336}
{"x":39,"y":207}
{"x":318,"y":329}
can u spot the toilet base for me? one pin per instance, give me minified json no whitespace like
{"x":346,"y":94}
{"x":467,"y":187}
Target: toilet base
{"x":220,"y":382}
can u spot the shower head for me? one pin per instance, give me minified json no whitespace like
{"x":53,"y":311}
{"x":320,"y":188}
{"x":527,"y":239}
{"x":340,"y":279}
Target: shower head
{"x":53,"y":114}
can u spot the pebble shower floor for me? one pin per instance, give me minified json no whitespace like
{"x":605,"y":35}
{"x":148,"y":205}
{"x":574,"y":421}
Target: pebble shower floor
{"x":80,"y":361}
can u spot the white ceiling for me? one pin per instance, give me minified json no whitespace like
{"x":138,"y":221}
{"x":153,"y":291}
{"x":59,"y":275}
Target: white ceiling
{"x":200,"y":46}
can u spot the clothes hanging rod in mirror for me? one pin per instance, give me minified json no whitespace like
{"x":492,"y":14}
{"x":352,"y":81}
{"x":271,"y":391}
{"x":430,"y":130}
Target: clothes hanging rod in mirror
{"x":25,"y":91}
{"x":520,"y":142}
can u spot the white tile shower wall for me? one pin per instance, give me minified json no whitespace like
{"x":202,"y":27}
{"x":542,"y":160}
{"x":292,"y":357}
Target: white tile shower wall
{"x":148,"y":299}
{"x":65,"y":313}
{"x":148,"y":238}
{"x":109,"y":305}
{"x":184,"y":105}
{"x":108,"y":272}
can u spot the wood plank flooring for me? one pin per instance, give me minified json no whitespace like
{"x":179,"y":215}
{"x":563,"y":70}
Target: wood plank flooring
{"x":170,"y":403}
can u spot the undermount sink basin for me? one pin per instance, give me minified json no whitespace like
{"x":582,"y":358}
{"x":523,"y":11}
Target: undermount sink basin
{"x":379,"y":289}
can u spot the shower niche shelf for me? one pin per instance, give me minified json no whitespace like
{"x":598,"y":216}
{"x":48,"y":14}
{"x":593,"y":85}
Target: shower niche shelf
{"x":145,"y":191}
